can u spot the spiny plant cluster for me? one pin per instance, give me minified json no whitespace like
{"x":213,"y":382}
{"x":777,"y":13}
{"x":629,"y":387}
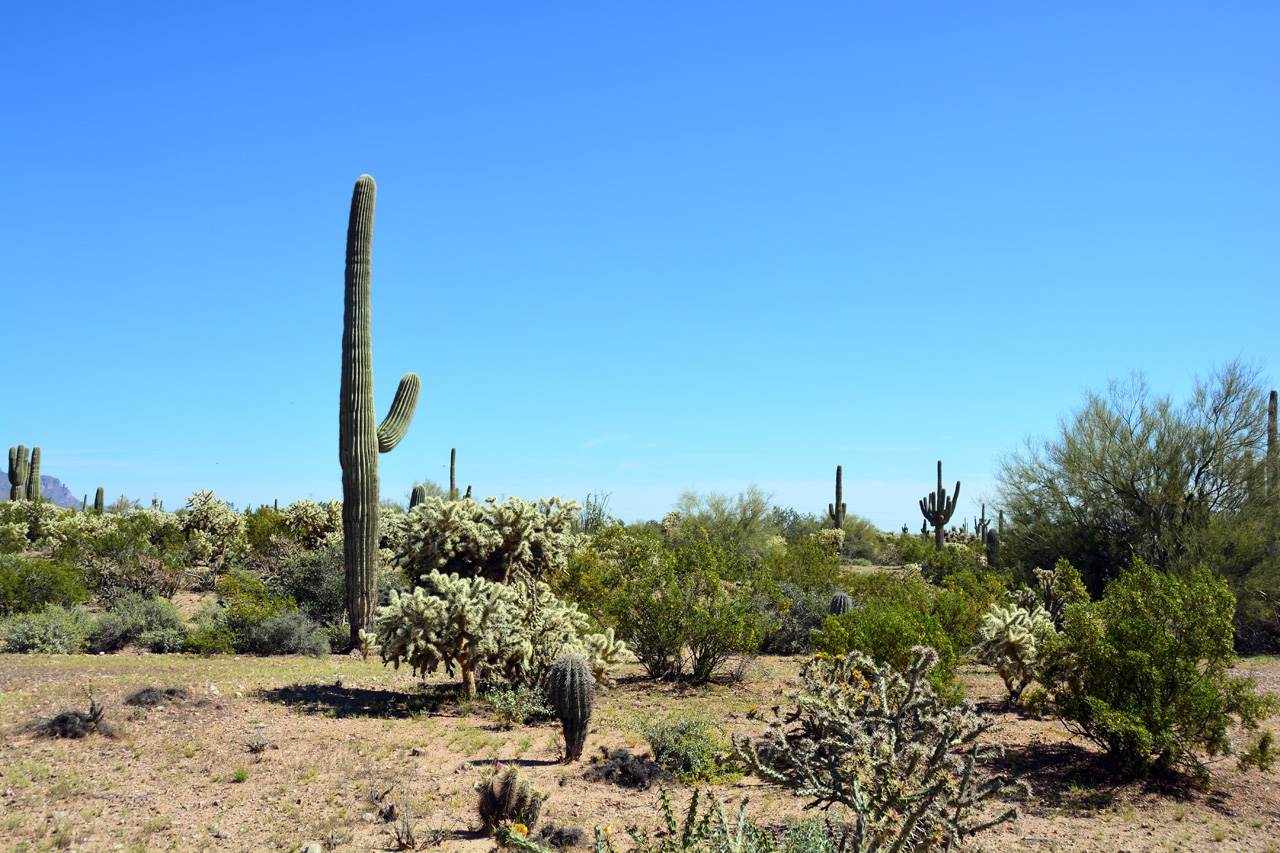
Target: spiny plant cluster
{"x":907,"y":767}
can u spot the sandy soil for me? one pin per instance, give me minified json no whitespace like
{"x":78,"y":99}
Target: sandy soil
{"x":183,"y":775}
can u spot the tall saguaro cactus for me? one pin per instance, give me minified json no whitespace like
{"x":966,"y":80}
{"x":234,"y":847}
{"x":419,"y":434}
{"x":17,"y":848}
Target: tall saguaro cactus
{"x":938,"y":508}
{"x":19,"y":468}
{"x":359,"y":442}
{"x":33,"y":477}
{"x":836,"y":511}
{"x":99,"y":501}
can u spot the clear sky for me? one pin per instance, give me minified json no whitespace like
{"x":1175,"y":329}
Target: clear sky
{"x":632,"y":248}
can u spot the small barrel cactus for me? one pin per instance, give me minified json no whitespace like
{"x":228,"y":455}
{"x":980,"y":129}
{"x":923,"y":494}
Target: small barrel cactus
{"x":506,"y":798}
{"x":841,"y":603}
{"x":570,"y":690}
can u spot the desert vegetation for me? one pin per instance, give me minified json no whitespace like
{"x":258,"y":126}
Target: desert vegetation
{"x":807,"y":658}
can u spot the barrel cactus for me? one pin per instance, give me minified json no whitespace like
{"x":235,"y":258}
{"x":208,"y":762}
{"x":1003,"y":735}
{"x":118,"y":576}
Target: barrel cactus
{"x":506,"y":798}
{"x":841,"y":603}
{"x":359,"y":442}
{"x":570,"y":691}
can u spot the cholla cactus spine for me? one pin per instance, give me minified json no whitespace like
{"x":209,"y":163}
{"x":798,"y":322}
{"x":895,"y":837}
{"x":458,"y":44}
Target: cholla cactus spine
{"x":938,"y":508}
{"x":359,"y":443}
{"x":570,"y":690}
{"x":841,"y":603}
{"x":505,"y":797}
{"x":836,"y":511}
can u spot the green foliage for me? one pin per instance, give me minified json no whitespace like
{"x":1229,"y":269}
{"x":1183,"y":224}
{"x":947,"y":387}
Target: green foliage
{"x":290,"y":633}
{"x":887,"y":632}
{"x":164,"y":640}
{"x":212,"y":529}
{"x":245,"y":603}
{"x":689,"y":745}
{"x":50,"y":630}
{"x":1144,"y":672}
{"x":963,"y":600}
{"x":27,"y":584}
{"x":1131,"y":473}
{"x":807,"y":562}
{"x":261,"y":525}
{"x":739,"y":524}
{"x":207,"y":636}
{"x":512,"y":706}
{"x":134,"y":615}
{"x":905,"y":765}
{"x":793,"y":614}
{"x":679,"y":616}
{"x":506,"y":798}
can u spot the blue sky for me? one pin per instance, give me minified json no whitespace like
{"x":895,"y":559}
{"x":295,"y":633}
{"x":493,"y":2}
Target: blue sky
{"x":630,"y":248}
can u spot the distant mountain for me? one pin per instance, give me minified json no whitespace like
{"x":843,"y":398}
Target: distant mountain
{"x":51,"y":488}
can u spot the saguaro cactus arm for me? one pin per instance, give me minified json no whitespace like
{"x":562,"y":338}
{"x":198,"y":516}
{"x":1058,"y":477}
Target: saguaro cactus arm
{"x":33,"y":475}
{"x":396,"y":423}
{"x":19,"y":468}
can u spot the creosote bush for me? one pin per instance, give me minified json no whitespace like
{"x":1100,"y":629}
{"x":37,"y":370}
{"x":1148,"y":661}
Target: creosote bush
{"x":1143,"y":672}
{"x":52,"y":630}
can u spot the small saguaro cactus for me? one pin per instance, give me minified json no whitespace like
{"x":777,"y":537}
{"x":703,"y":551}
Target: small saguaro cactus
{"x":33,"y":476}
{"x":570,"y":690}
{"x":453,"y":482}
{"x":938,"y":508}
{"x":841,"y":603}
{"x":359,"y":442}
{"x":836,"y":511}
{"x":417,"y":495}
{"x":100,"y":501}
{"x":993,"y":548}
{"x":19,"y":468}
{"x":506,"y":798}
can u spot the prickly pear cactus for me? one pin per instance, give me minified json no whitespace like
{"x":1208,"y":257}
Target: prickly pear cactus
{"x":570,"y":691}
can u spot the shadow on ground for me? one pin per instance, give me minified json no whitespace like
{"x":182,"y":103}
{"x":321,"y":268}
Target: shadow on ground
{"x":340,"y":702}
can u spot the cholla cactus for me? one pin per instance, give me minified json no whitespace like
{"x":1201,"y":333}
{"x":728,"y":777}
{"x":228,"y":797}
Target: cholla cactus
{"x":1010,"y":636}
{"x":489,"y":540}
{"x":211,"y":528}
{"x":312,"y":524}
{"x":506,"y":798}
{"x":830,"y":538}
{"x":1056,"y":589}
{"x":368,"y":644}
{"x":670,"y":523}
{"x":487,"y":629}
{"x":884,"y":745}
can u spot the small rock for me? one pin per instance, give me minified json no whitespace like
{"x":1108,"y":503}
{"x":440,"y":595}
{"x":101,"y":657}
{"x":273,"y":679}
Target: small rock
{"x":313,"y":848}
{"x":415,"y":751}
{"x":369,"y":817}
{"x":221,"y":833}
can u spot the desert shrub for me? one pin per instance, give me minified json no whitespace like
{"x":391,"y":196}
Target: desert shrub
{"x":793,"y":614}
{"x":688,"y":745}
{"x":262,"y":525}
{"x":131,"y":617}
{"x":26,"y":584}
{"x":310,"y":523}
{"x":904,"y":764}
{"x":1143,"y":672}
{"x":207,"y":636}
{"x":679,"y":616}
{"x":150,"y":697}
{"x":1010,"y":640}
{"x":887,"y":631}
{"x":244,"y":603}
{"x":289,"y":633}
{"x":807,"y":563}
{"x":962,"y":602}
{"x":164,"y":641}
{"x":142,"y":552}
{"x":512,"y":706}
{"x":313,"y":579}
{"x":621,"y":767}
{"x":53,"y":629}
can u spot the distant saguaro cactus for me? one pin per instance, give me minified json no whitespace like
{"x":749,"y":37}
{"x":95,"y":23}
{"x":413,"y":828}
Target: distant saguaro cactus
{"x":359,"y":442}
{"x":100,"y":501}
{"x":938,"y":508}
{"x":453,"y":482}
{"x":836,"y":511}
{"x":19,"y":468}
{"x":571,"y":690}
{"x":33,"y":477}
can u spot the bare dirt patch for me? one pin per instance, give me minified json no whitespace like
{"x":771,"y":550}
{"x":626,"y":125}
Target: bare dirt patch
{"x":277,"y":753}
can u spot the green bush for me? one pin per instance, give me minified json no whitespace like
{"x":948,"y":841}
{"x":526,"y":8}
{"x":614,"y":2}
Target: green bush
{"x":131,"y":617}
{"x":53,"y":629}
{"x":208,"y":637}
{"x":291,"y":633}
{"x":793,"y":614}
{"x":962,"y":602}
{"x":245,"y":603}
{"x":1143,"y":673}
{"x":26,"y":584}
{"x":887,"y":632}
{"x":806,"y":563}
{"x":512,"y":706}
{"x":164,"y":641}
{"x":678,"y":615}
{"x":261,"y":525}
{"x":689,"y":745}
